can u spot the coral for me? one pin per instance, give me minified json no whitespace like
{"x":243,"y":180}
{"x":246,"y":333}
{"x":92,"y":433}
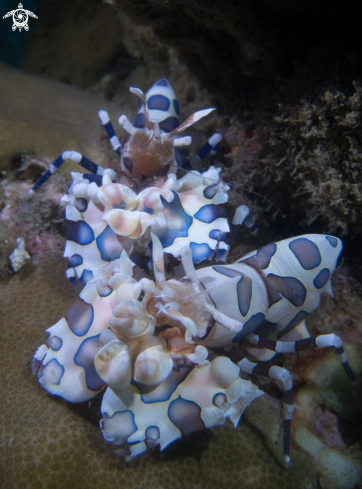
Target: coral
{"x":41,"y":118}
{"x":47,"y":444}
{"x":305,"y":161}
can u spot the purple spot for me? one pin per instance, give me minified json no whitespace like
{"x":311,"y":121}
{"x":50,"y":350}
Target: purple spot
{"x":109,"y":246}
{"x":152,"y":436}
{"x":165,"y":389}
{"x":289,"y":287}
{"x":265,"y":254}
{"x":221,"y":254}
{"x":85,"y":359}
{"x":218,"y":235}
{"x":81,"y":204}
{"x":74,"y":261}
{"x":162,"y":82}
{"x":228,"y":272}
{"x":52,"y":373}
{"x":178,"y":221}
{"x":55,"y":343}
{"x":119,"y":427}
{"x":73,"y":282}
{"x":261,"y":259}
{"x":332,"y":241}
{"x":158,"y":102}
{"x":208,"y":213}
{"x":250,"y":326}
{"x":244,"y":292}
{"x":80,"y":317}
{"x":201,"y":252}
{"x":169,"y":124}
{"x":306,"y":252}
{"x":186,"y":415}
{"x":80,"y":232}
{"x":322,"y":278}
{"x":105,"y":291}
{"x":87,"y":275}
{"x":298,"y":318}
{"x":219,"y":399}
{"x":211,"y":191}
{"x":140,"y":121}
{"x":243,"y":287}
{"x":176,"y":107}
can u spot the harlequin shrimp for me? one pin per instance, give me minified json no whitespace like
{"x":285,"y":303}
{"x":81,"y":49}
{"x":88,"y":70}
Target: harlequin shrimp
{"x":151,"y":344}
{"x":105,"y":212}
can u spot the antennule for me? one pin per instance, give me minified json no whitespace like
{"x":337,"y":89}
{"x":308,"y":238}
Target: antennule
{"x":142,"y":96}
{"x":189,"y":121}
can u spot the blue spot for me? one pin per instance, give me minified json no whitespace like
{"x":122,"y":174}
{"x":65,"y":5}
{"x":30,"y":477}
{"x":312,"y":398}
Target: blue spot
{"x":227,"y":271}
{"x":163,"y":391}
{"x":52,"y":371}
{"x":74,"y":261}
{"x":220,"y":254}
{"x":109,"y":246}
{"x":211,"y":191}
{"x":322,"y":278}
{"x":169,"y":124}
{"x":186,"y":415}
{"x":81,"y":204}
{"x":306,"y":252}
{"x":178,"y":221}
{"x":176,"y":107}
{"x":87,"y":275}
{"x":105,"y":291}
{"x":298,"y":318}
{"x":218,"y":235}
{"x":243,"y":288}
{"x":55,"y":343}
{"x":152,"y":435}
{"x":118,"y":427}
{"x":158,"y":102}
{"x":201,"y":252}
{"x":80,"y":232}
{"x":332,"y":241}
{"x":85,"y":359}
{"x":261,"y":259}
{"x":244,"y":292}
{"x":135,"y":259}
{"x":211,"y":212}
{"x":149,"y":210}
{"x":265,"y":254}
{"x":290,"y":288}
{"x":80,"y":317}
{"x":250,"y":326}
{"x":140,"y":121}
{"x":73,"y":282}
{"x":162,"y":82}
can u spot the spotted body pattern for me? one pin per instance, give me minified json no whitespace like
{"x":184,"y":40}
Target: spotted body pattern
{"x":102,"y":220}
{"x":152,"y":343}
{"x":107,"y":211}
